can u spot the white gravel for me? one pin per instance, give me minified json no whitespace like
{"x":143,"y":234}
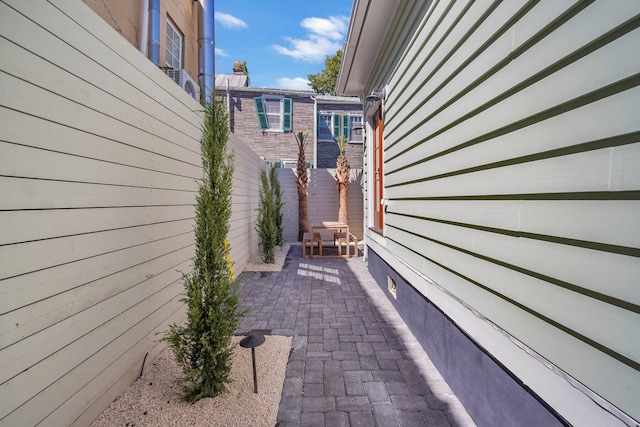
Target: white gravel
{"x":256,"y":263}
{"x":153,"y":400}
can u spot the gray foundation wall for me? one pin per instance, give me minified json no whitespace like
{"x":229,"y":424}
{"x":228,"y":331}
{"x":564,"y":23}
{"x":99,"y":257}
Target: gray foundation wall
{"x":489,"y":393}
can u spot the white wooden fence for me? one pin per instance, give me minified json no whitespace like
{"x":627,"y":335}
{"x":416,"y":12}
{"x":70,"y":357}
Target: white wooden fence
{"x":99,"y":162}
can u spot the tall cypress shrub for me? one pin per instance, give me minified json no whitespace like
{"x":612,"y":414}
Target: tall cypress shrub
{"x":266,"y":220}
{"x":203,"y":346}
{"x":278,"y":204}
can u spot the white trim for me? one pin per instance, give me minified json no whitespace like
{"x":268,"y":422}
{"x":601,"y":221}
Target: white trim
{"x":352,"y":141}
{"x":280,"y":99}
{"x":572,"y":400}
{"x":166,"y":47}
{"x":320,"y":137}
{"x":315,"y":131}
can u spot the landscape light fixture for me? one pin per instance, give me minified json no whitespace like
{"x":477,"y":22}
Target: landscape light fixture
{"x":253,"y":340}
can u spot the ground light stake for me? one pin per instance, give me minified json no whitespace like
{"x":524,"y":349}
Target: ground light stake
{"x":253,"y":340}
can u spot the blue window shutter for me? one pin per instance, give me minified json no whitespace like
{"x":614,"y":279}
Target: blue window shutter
{"x":287,"y":116}
{"x":336,"y":125}
{"x":262,"y":116}
{"x":346,"y":126}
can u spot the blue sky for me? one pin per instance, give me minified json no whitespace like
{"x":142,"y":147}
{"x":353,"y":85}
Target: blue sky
{"x":282,"y":41}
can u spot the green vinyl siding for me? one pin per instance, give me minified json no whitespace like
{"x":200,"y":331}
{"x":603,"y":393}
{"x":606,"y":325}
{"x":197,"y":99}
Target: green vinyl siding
{"x":512,"y":151}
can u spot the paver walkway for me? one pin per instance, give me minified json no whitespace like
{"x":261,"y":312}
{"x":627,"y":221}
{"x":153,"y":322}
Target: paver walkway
{"x":354,"y":362}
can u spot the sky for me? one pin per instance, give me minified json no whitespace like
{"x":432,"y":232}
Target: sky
{"x":282,"y":41}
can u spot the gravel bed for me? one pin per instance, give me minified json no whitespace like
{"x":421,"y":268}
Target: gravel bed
{"x":153,"y":400}
{"x":256,"y":263}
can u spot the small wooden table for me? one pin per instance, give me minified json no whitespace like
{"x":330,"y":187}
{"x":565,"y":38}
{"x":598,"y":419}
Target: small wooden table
{"x":328,"y":225}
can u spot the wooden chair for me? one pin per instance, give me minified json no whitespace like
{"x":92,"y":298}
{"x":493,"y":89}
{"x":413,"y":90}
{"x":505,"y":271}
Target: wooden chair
{"x":306,"y":240}
{"x":340,"y":238}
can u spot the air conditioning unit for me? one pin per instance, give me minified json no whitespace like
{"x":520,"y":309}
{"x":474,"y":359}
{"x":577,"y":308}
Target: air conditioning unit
{"x":185,"y":81}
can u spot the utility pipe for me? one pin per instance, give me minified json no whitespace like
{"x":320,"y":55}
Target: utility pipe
{"x":154,"y":25}
{"x":144,"y":27}
{"x":206,"y":45}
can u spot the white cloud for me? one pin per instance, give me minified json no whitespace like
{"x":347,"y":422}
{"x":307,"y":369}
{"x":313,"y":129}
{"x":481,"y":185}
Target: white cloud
{"x":230,"y":21}
{"x":297,"y":83}
{"x":332,"y":28}
{"x":220,"y":52}
{"x":324,"y":39}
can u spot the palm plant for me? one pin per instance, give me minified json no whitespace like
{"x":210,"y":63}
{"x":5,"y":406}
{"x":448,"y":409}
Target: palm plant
{"x":342,"y":181}
{"x":302,"y":179}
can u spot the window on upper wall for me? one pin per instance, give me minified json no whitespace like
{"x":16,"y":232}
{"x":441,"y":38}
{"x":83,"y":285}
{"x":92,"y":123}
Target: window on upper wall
{"x":356,"y":129}
{"x":324,"y":127}
{"x":173,"y":48}
{"x":349,"y":126}
{"x":274,"y":112}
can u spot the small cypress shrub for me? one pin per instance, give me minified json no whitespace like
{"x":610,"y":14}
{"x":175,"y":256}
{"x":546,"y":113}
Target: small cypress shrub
{"x":203,"y":345}
{"x":278,"y":204}
{"x":266,"y":220}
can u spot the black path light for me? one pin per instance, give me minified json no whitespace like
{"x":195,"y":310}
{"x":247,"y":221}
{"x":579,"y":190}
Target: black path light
{"x":253,"y":340}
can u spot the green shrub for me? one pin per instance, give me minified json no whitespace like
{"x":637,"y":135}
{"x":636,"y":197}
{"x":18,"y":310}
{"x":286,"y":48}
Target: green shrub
{"x":203,"y":346}
{"x":266,"y":220}
{"x":278,"y":204}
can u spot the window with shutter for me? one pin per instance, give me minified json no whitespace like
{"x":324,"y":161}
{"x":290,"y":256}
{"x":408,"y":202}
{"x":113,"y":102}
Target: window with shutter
{"x":324,"y":127}
{"x":336,"y":125}
{"x":287,"y":115}
{"x":355,"y":129}
{"x":262,"y":116}
{"x":345,"y":127}
{"x":275,"y":113}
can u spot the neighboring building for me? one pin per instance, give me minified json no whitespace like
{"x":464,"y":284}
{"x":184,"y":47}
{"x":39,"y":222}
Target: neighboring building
{"x":239,"y":78}
{"x":266,"y":120}
{"x":168,"y":32}
{"x":336,"y":116}
{"x":502,"y":197}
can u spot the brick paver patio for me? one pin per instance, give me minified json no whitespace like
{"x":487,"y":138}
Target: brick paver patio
{"x":354,"y":361}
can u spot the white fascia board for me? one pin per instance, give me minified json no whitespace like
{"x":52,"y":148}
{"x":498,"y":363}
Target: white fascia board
{"x":368,"y":28}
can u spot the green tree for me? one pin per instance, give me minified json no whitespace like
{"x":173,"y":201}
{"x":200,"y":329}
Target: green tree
{"x":202,"y":346}
{"x":266,"y":221}
{"x":325,"y":82}
{"x":278,"y":204}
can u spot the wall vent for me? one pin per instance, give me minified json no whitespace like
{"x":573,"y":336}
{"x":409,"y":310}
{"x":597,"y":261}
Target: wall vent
{"x":391,"y":287}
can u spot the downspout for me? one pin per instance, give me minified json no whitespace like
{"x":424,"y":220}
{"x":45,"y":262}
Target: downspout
{"x":206,"y":45}
{"x":154,"y":31}
{"x":315,"y":132}
{"x":228,"y":90}
{"x":144,"y":27}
